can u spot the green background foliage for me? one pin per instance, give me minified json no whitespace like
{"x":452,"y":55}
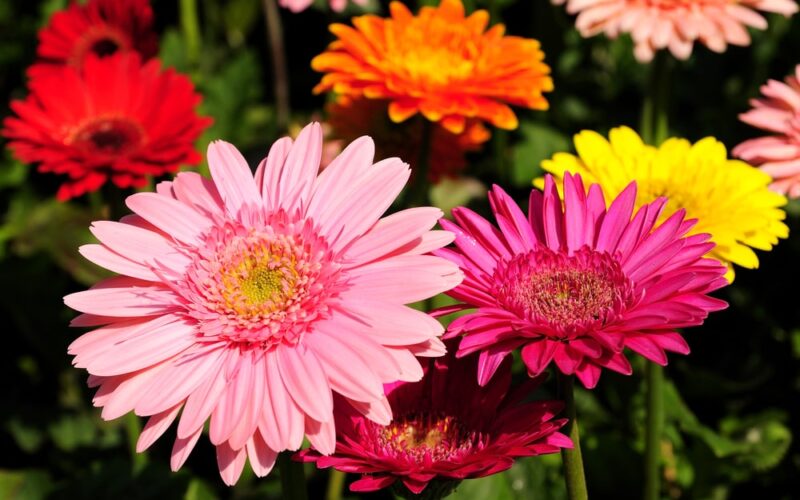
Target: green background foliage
{"x":731,"y":405}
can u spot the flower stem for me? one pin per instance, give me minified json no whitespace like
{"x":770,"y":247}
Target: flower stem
{"x":655,"y":115}
{"x":572,"y":458}
{"x":132,"y":430}
{"x":336,"y":480}
{"x":654,"y":380}
{"x":293,"y":477}
{"x":280,"y":71}
{"x":655,"y":120}
{"x":417,"y":193}
{"x":190,"y":27}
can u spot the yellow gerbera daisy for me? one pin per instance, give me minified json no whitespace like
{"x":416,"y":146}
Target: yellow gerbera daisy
{"x":729,"y":198}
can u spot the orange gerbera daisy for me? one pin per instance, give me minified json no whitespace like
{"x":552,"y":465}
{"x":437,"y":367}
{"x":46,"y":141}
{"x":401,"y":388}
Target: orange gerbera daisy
{"x":351,"y":118}
{"x":441,"y":63}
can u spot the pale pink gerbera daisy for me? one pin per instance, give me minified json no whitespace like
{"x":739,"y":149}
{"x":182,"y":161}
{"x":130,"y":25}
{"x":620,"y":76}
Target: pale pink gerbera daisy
{"x":778,"y":155}
{"x":675,"y":24}
{"x":248,"y":301}
{"x":575,"y":283}
{"x":301,"y":5}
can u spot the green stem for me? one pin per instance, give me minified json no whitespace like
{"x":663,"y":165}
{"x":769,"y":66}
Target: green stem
{"x":336,"y":480}
{"x":191,"y":29}
{"x":293,"y":478}
{"x":500,"y":147}
{"x":654,"y":380}
{"x":280,"y":71}
{"x":655,"y":115}
{"x":132,"y":430}
{"x":572,"y":458}
{"x":655,"y":130}
{"x":418,"y":192}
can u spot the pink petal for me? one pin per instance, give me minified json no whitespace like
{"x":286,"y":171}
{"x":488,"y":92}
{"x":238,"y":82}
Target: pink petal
{"x":348,"y":374}
{"x":155,"y":427}
{"x":232,"y":177}
{"x":262,"y":457}
{"x":306,"y":381}
{"x":171,"y":216}
{"x":322,"y":435}
{"x":230,"y":463}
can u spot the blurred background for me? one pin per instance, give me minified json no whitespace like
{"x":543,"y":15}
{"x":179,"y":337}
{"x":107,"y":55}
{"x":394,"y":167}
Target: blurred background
{"x":731,"y":405}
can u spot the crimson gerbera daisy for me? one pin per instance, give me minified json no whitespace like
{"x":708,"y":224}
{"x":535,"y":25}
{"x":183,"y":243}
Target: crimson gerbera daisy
{"x":446,"y":428}
{"x":99,"y":27}
{"x":115,"y":119}
{"x":248,"y":301}
{"x":575,"y":283}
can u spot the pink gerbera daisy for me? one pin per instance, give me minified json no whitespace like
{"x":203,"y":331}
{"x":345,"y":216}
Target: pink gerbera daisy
{"x":98,"y":27}
{"x":575,"y":283}
{"x":301,"y":5}
{"x":446,"y":428}
{"x":248,"y":301}
{"x":675,"y":24}
{"x":778,"y":155}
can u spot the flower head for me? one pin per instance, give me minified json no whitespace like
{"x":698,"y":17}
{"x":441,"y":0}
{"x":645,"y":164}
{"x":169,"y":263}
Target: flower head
{"x":98,"y":27}
{"x":778,"y":155}
{"x":675,"y":24}
{"x":350,"y":118}
{"x":729,"y":198}
{"x":301,"y":5}
{"x":446,"y":428}
{"x":250,"y":301}
{"x":115,"y":119}
{"x":576,"y":282}
{"x":440,"y":63}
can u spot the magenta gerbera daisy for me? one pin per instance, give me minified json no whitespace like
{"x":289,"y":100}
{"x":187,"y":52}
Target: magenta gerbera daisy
{"x":98,"y":27}
{"x":575,"y":283}
{"x":250,"y":301}
{"x":446,"y":428}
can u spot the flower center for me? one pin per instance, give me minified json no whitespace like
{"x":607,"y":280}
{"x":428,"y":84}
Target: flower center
{"x":107,"y":137}
{"x":104,"y":47}
{"x":433,"y":53}
{"x":101,"y":40}
{"x":564,"y":294}
{"x":421,"y":436}
{"x":260,"y":286}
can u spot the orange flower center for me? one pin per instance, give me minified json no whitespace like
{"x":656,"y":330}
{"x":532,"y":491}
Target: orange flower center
{"x":433,"y":54}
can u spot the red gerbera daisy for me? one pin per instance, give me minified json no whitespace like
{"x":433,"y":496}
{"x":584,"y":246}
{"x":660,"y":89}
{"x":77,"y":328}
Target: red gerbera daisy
{"x":100,"y":27}
{"x":115,"y":119}
{"x":446,"y":428}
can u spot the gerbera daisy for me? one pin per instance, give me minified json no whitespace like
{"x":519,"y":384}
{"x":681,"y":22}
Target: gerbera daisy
{"x":576,"y":282}
{"x":440,"y":63}
{"x":350,"y":118}
{"x":446,"y":428}
{"x":675,"y":24}
{"x":729,"y":198}
{"x":249,"y":301}
{"x":301,"y":5}
{"x":777,"y":155}
{"x":115,"y":119}
{"x":99,"y":27}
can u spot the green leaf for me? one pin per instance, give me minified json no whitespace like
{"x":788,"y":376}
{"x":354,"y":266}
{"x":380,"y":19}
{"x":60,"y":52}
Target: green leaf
{"x":199,"y":490}
{"x":28,"y":484}
{"x":539,"y":142}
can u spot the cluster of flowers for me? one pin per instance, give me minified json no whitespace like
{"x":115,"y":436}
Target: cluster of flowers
{"x":100,"y":107}
{"x":275,"y":304}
